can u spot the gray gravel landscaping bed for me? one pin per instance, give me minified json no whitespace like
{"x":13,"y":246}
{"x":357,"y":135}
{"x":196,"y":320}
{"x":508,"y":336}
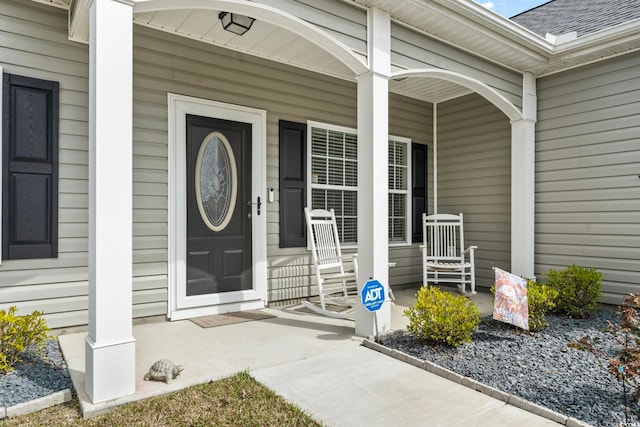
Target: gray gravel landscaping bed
{"x":539,"y":367}
{"x":35,"y":377}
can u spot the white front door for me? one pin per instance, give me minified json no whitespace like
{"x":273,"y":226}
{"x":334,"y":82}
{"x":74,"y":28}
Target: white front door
{"x":217,"y":209}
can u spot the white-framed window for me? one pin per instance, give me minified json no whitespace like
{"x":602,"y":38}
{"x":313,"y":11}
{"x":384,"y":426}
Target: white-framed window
{"x":399,"y":186}
{"x":332,"y":162}
{"x":333,"y":175}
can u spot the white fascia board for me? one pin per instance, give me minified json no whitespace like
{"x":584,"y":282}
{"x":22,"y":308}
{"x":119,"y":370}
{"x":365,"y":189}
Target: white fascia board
{"x":587,"y":46}
{"x":494,"y":22}
{"x":605,"y":44}
{"x":509,"y":33}
{"x":506,"y":27}
{"x":622,"y":33}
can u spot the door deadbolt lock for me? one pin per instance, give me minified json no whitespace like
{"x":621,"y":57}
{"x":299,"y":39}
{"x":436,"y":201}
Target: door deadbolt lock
{"x":258,"y":205}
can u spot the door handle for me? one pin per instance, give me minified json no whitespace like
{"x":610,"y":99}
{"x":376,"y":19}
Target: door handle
{"x":258,"y":205}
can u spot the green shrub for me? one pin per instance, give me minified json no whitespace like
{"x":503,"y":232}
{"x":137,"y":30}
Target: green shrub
{"x":20,"y":334}
{"x":542,"y":299}
{"x":578,"y":290}
{"x":440,"y":317}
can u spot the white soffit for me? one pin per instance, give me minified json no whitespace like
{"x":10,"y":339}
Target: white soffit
{"x":469,"y":26}
{"x":267,"y":41}
{"x":461,"y":23}
{"x":263,"y":39}
{"x":472,"y":28}
{"x":429,"y":90}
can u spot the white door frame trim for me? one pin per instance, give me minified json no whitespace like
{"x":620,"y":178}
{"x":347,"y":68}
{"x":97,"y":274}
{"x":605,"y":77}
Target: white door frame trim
{"x":179,"y":306}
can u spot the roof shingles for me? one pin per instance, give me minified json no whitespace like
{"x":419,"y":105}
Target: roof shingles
{"x":559,"y":17}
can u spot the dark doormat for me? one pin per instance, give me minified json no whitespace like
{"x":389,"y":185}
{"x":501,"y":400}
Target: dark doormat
{"x":230,"y":318}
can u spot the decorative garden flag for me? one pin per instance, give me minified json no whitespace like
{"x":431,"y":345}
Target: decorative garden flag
{"x":511,"y":304}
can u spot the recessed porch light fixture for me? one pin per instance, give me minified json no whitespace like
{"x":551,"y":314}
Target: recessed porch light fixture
{"x":235,"y":23}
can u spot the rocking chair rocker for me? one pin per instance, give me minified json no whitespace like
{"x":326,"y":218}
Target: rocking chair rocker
{"x":444,"y":259}
{"x":336,"y":286}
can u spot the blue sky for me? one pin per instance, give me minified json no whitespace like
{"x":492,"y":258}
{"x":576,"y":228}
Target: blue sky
{"x":508,"y":8}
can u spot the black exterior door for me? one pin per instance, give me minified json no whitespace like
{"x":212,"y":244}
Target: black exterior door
{"x":218,"y":206}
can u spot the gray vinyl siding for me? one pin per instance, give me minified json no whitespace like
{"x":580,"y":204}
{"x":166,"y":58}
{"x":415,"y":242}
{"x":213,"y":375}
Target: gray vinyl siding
{"x":411,"y":119}
{"x":474,"y":177}
{"x":412,"y":50}
{"x":162,"y":63}
{"x":59,"y":287}
{"x":165,"y":63}
{"x":346,"y":23}
{"x":33,"y":43}
{"x":587,"y":166}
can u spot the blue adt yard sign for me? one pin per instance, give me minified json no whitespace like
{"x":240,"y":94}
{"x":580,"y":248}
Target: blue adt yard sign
{"x":372,"y":295}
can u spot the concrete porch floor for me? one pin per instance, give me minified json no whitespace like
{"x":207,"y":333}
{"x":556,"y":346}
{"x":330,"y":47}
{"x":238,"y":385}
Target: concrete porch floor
{"x":313,"y":361}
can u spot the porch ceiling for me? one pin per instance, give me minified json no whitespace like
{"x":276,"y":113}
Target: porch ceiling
{"x":429,"y":90}
{"x":264,"y":39}
{"x":462,"y":23}
{"x":278,"y":44}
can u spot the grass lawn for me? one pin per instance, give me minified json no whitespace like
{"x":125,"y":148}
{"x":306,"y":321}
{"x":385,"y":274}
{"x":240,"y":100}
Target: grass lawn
{"x":238,"y":400}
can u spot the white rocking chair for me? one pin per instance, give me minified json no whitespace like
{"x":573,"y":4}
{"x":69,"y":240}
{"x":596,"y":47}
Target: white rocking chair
{"x":444,"y":259}
{"x":335,"y":285}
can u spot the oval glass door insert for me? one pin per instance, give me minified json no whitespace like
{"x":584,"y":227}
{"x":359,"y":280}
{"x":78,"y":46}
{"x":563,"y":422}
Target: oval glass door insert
{"x":216,"y":181}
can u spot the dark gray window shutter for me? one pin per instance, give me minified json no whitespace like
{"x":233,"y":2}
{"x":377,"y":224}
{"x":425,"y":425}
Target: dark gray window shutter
{"x":293,"y":180}
{"x":30,"y":168}
{"x":419,"y":190}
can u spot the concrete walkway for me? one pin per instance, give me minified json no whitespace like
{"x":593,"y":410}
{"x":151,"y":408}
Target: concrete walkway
{"x":313,"y":361}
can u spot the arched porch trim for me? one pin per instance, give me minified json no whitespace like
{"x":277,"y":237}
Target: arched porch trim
{"x":267,"y":14}
{"x":487,"y":92}
{"x":522,"y":158}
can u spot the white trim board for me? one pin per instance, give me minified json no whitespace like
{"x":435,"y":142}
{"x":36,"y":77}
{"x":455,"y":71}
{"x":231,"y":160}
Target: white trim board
{"x":181,"y":306}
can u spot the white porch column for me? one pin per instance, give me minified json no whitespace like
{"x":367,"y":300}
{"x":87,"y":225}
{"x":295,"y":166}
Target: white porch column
{"x":110,"y":346}
{"x":373,"y":140}
{"x":523,"y":182}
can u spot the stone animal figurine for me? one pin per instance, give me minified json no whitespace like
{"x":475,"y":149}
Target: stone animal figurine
{"x":163,"y":370}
